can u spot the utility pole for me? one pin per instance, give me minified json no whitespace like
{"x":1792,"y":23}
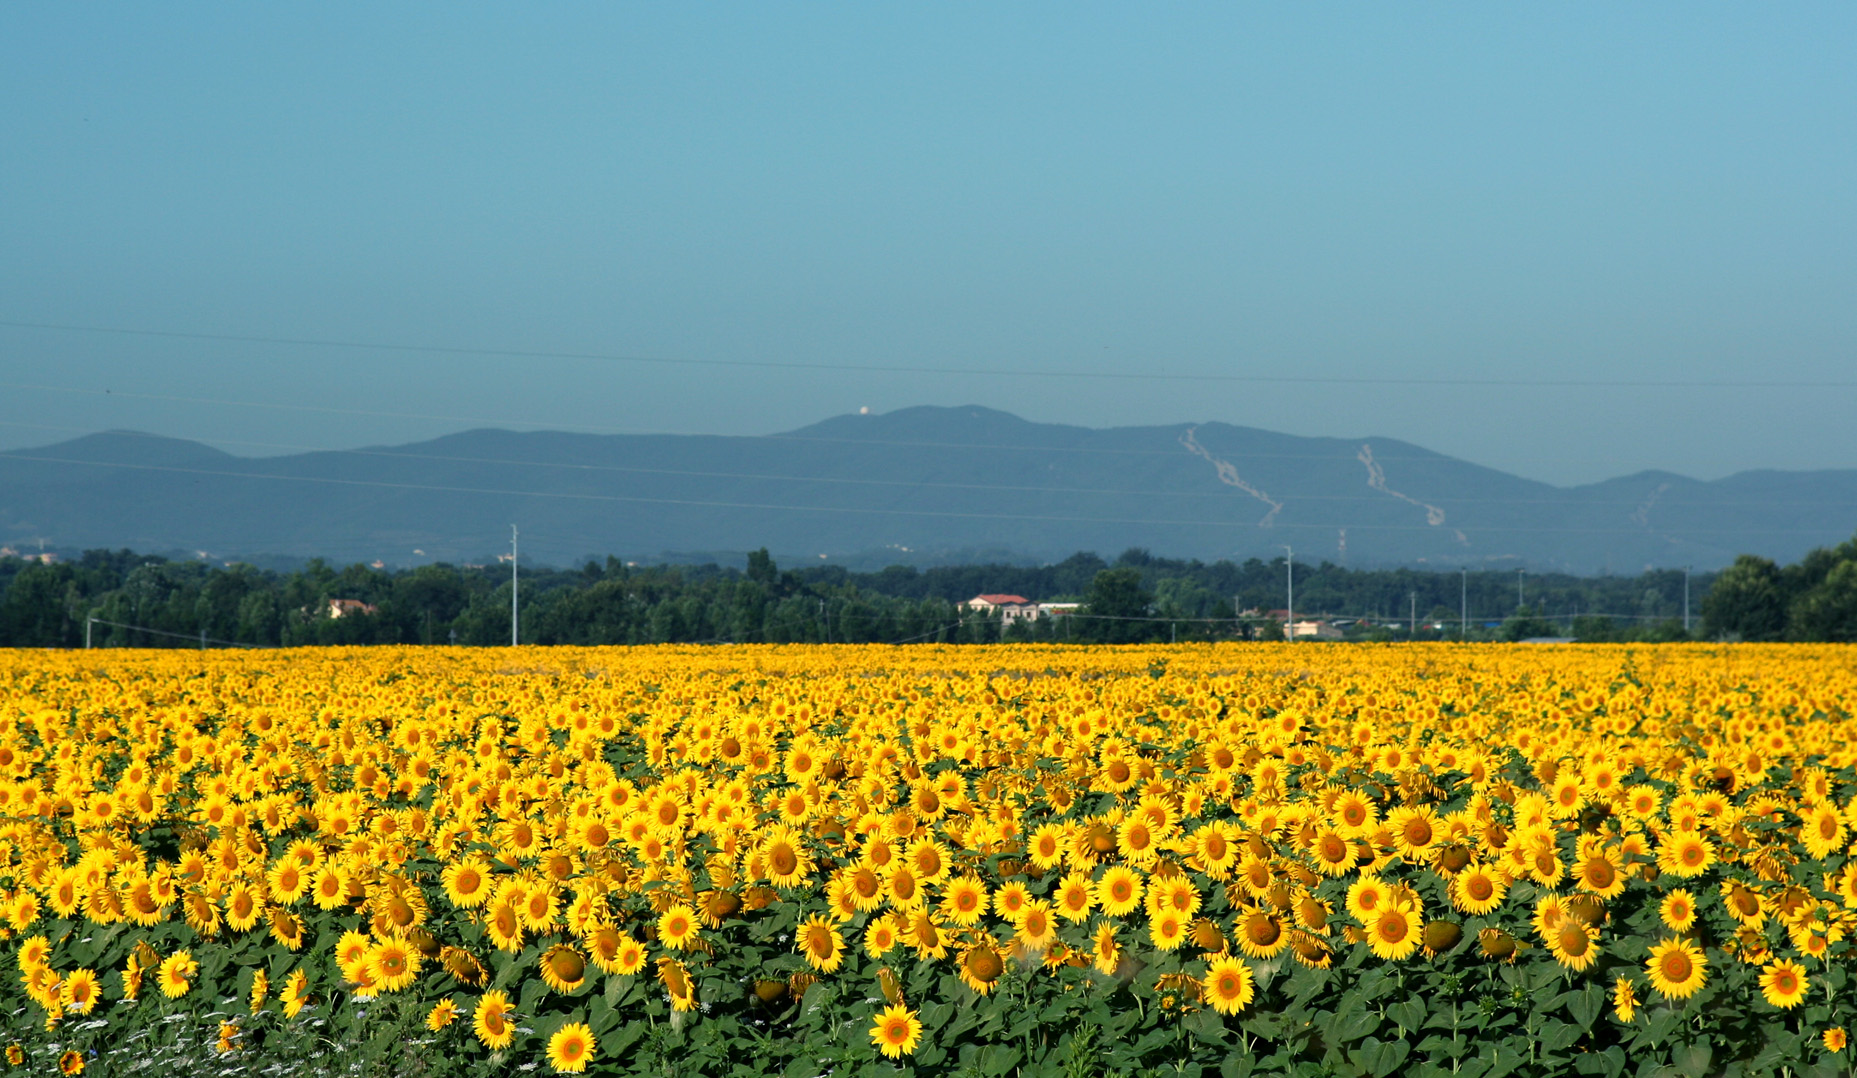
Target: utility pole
{"x":1463,"y":604}
{"x":1412,"y":623}
{"x":514,"y":584}
{"x":88,"y":622}
{"x":1289,"y":572}
{"x":1519,"y":574}
{"x":1686,"y":600}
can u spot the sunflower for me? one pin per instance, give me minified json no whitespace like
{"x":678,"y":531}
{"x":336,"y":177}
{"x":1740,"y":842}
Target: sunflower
{"x":896,"y":1032}
{"x":492,"y":1019}
{"x":1367,"y":896}
{"x":71,"y":1062}
{"x":1354,"y":814}
{"x":80,"y":991}
{"x":176,"y":974}
{"x":818,"y":939}
{"x":1821,"y":830}
{"x":1415,"y":831}
{"x":1572,"y":944}
{"x":1624,"y":999}
{"x":1784,"y":984}
{"x":564,"y":968}
{"x":784,"y":860}
{"x":1477,"y":890}
{"x":295,"y":993}
{"x":1075,"y":898}
{"x":677,"y":985}
{"x":1598,"y":874}
{"x":1010,"y":899}
{"x":1175,"y":893}
{"x":1118,"y":890}
{"x":1394,"y":931}
{"x":392,"y":964}
{"x":570,"y":1047}
{"x":1261,"y":934}
{"x":1744,"y":905}
{"x":330,"y":888}
{"x":1213,"y":847}
{"x":1037,"y":926}
{"x":1334,"y":855}
{"x":260,"y":989}
{"x":1106,"y":952}
{"x":902,"y":888}
{"x":1686,"y":854}
{"x":865,"y":887}
{"x":1229,"y":986}
{"x":1835,"y":1039}
{"x":467,"y":883}
{"x":1678,"y":910}
{"x":1047,"y":846}
{"x":981,"y":966}
{"x":1677,"y":968}
{"x":677,"y":927}
{"x":442,"y":1015}
{"x":923,"y":935}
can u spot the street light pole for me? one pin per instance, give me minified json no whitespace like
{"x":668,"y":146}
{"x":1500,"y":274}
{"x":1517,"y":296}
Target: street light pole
{"x":514,"y":585}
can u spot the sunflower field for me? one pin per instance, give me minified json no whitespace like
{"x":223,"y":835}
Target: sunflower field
{"x":681,"y":861}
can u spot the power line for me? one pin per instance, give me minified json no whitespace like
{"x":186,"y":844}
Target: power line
{"x":1159,"y":376}
{"x":856,"y":510}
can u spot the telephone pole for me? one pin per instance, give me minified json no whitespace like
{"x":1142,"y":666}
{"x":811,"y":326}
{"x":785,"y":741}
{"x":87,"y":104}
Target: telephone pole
{"x":514,"y":585}
{"x":1289,"y":573}
{"x":1686,"y":600}
{"x":1463,"y":604}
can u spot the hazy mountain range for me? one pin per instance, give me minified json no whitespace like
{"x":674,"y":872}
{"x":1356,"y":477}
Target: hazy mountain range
{"x":916,"y":485}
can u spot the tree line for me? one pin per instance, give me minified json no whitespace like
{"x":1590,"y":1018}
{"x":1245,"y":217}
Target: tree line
{"x":129,"y":599}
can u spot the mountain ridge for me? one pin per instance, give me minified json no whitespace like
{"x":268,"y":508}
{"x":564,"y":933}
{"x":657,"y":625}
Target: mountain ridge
{"x":915,"y":482}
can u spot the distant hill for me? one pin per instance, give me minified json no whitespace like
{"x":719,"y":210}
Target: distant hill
{"x":910,"y":486}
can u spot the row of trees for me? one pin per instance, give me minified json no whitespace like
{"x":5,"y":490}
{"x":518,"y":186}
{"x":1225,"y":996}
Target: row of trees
{"x":1755,"y":599}
{"x":1137,"y":598}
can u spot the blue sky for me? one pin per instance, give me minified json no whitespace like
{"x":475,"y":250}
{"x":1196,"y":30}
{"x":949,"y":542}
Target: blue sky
{"x":1647,"y":193}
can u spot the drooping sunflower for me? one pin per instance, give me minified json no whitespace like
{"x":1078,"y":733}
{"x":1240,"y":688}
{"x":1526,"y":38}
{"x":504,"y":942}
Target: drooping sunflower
{"x":491,"y":1019}
{"x":1784,"y":984}
{"x":1677,"y":968}
{"x":896,"y":1032}
{"x":677,"y":984}
{"x":1229,"y":986}
{"x":818,"y":939}
{"x":981,"y":966}
{"x":564,"y":968}
{"x":570,"y":1047}
{"x":1260,"y":933}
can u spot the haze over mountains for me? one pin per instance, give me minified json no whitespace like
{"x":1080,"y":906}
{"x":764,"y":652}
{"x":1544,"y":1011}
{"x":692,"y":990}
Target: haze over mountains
{"x":916,"y":485}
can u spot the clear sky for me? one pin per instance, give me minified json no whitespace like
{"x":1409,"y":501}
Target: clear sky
{"x":1442,"y":194}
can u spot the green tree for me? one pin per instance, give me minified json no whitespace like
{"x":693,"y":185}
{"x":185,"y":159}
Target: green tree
{"x":1828,"y":611}
{"x":1117,"y":598}
{"x":1747,"y":602}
